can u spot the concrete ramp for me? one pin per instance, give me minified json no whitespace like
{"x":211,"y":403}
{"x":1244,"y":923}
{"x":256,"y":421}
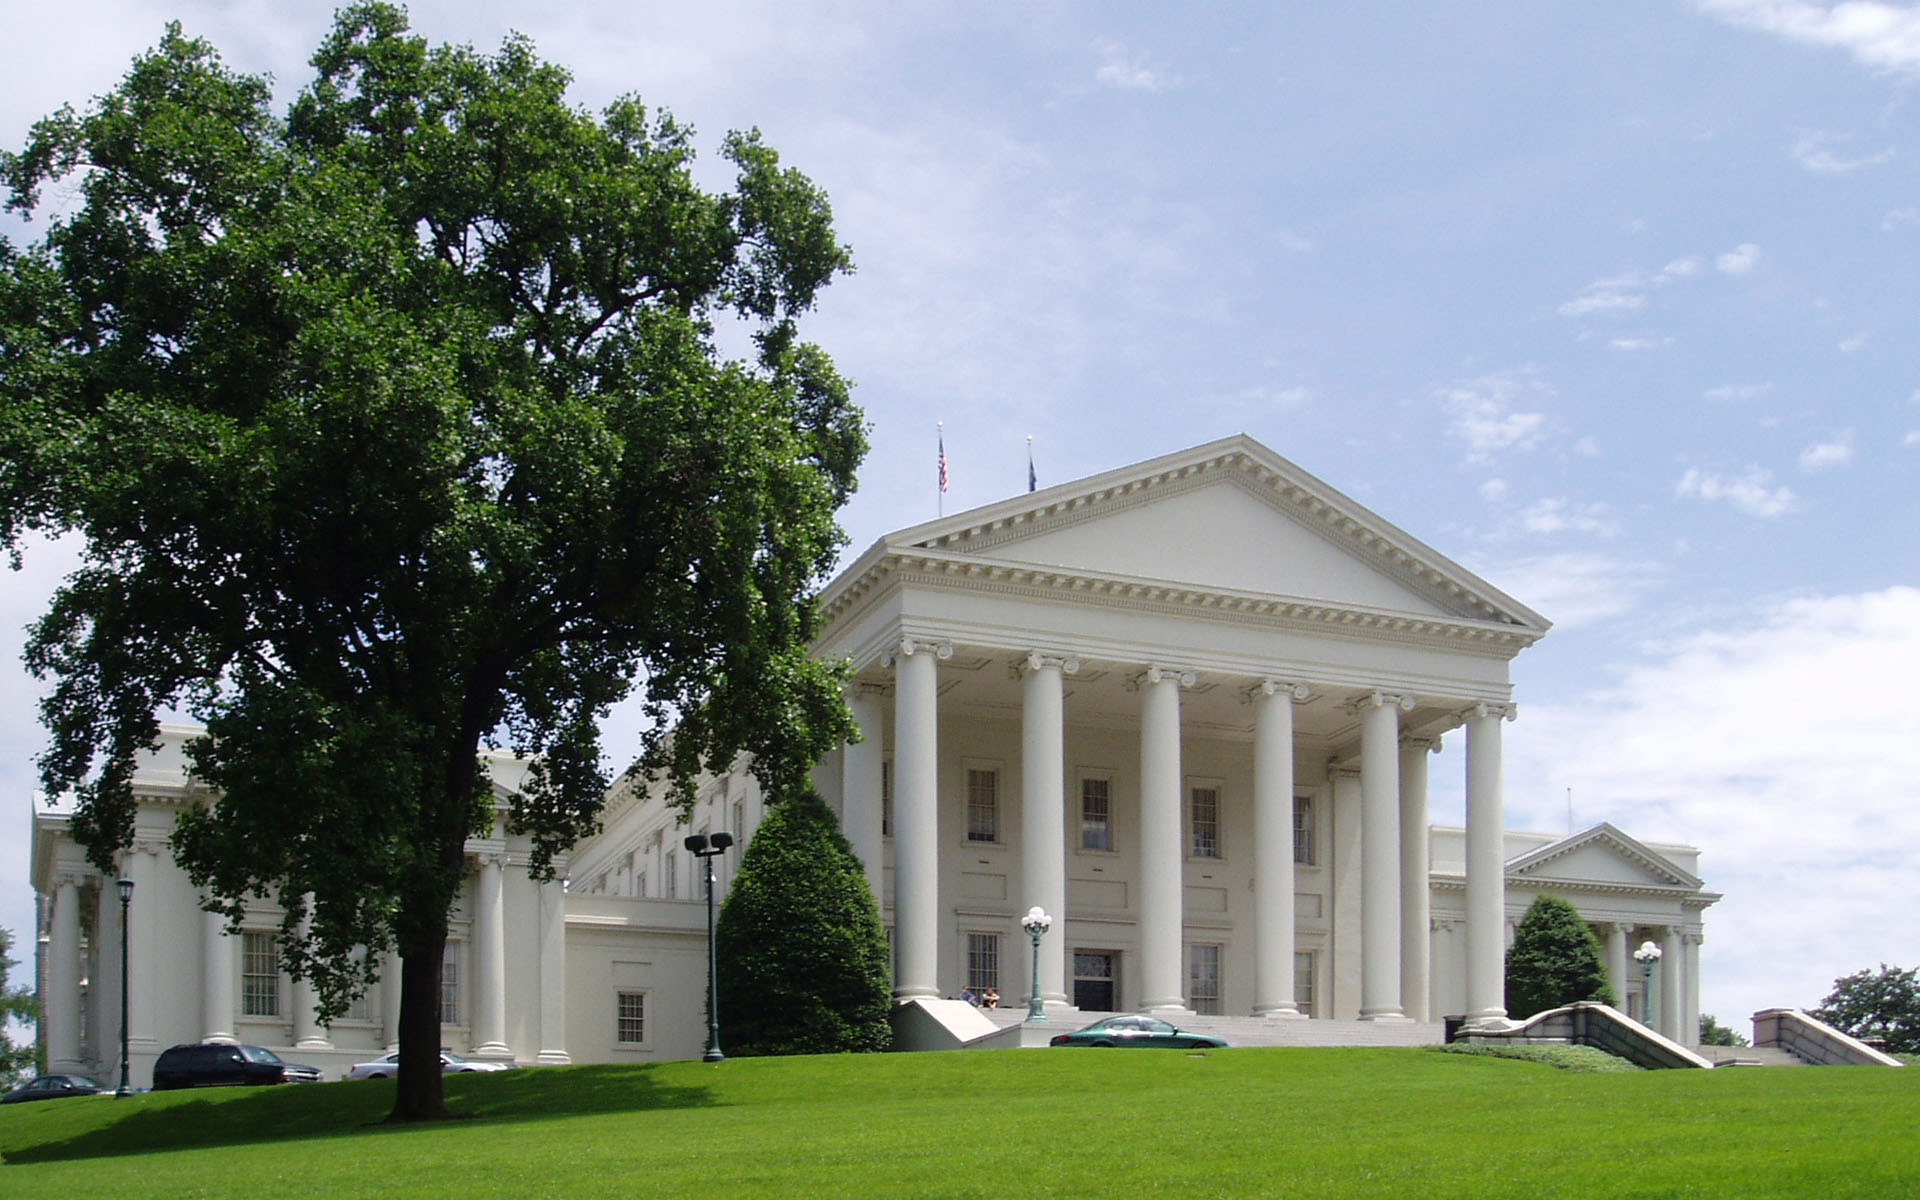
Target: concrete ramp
{"x":926,"y":1024}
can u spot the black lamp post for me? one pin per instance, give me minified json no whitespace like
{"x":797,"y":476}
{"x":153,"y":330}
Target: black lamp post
{"x":705,"y":846}
{"x":126,"y":900}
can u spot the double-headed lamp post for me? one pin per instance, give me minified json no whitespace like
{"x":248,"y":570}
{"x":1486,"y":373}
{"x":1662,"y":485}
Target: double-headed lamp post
{"x":1036,"y":923}
{"x":126,"y":902}
{"x":1647,"y":955}
{"x":706,"y":846}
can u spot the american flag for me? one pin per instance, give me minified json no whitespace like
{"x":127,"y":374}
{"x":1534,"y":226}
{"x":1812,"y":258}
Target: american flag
{"x":943,"y":462}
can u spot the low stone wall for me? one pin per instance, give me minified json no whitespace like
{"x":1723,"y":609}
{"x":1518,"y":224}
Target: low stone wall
{"x":1591,"y":1024}
{"x":1815,"y":1041}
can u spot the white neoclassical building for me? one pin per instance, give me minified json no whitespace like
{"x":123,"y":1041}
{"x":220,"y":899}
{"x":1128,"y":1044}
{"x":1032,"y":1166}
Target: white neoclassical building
{"x":1186,"y":707}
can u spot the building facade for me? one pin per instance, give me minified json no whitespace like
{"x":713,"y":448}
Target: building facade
{"x":1185,"y":707}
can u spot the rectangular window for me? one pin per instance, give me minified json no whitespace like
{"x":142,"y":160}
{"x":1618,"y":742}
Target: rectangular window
{"x":640,"y":884}
{"x":1096,"y":813}
{"x":886,"y":797}
{"x":1303,"y":982}
{"x":630,"y":1023}
{"x":1303,"y":830}
{"x":450,"y":985}
{"x":983,"y":961}
{"x":259,"y":975}
{"x":983,"y":805}
{"x":1203,"y":821}
{"x":358,"y":1008}
{"x":740,"y":822}
{"x":1203,"y":979}
{"x":671,"y":870}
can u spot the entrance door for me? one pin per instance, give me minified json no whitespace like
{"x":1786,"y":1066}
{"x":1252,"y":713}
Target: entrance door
{"x":1096,"y":986}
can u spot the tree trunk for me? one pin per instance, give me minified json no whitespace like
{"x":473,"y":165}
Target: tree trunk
{"x":421,"y":1095}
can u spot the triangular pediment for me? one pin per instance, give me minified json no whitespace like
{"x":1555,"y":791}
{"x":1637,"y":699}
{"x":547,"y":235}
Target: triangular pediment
{"x":1602,"y":855}
{"x":1230,"y":516}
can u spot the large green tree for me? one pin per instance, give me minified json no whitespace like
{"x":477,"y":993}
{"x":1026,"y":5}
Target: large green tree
{"x":16,"y":1004}
{"x":398,"y":427}
{"x":1883,"y":1005}
{"x":1555,"y":960}
{"x":802,"y":954}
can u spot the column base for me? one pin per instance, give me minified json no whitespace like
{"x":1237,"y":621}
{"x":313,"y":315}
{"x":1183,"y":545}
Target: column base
{"x":313,"y":1042}
{"x":1492,"y":1022}
{"x":553,"y":1058}
{"x":902,"y":995}
{"x":1282,"y":1012}
{"x":1167,"y":1012}
{"x":492,"y":1050}
{"x":221,"y":1039}
{"x":1392,"y":1016}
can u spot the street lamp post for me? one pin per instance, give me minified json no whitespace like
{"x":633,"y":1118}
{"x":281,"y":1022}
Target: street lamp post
{"x":1647,"y":955}
{"x":1036,"y":923}
{"x":126,"y":902}
{"x":706,"y":846}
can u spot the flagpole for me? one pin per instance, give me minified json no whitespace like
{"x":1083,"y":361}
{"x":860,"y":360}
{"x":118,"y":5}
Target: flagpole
{"x":940,"y":496}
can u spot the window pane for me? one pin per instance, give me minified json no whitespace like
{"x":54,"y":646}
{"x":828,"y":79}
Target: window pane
{"x":983,"y":805}
{"x":1303,"y":982}
{"x":260,"y":975}
{"x":671,"y":869}
{"x":983,"y":961}
{"x":1096,"y":828}
{"x":886,"y":797}
{"x":1203,"y":822}
{"x":631,"y":1021}
{"x":1303,"y":830}
{"x":450,"y":985}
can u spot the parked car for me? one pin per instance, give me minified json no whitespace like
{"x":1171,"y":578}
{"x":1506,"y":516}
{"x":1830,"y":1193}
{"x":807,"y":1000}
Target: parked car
{"x":219,"y":1064}
{"x":450,"y":1064}
{"x":1134,"y":1030}
{"x":52,"y":1087}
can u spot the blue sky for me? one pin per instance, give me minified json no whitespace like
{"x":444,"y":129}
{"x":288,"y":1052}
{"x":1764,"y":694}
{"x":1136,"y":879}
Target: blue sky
{"x":1614,"y":304}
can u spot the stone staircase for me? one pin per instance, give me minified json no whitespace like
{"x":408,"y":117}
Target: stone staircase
{"x":1245,"y":1031}
{"x":1750,"y":1056}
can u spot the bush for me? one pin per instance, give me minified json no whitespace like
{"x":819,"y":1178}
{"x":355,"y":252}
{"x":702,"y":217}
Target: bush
{"x":1582,"y":1060}
{"x":1555,"y":960}
{"x":802,"y":953}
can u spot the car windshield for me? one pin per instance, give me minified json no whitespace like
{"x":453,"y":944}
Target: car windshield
{"x":82,"y":1081}
{"x":259,"y":1054}
{"x":452,"y":1058}
{"x":1154,"y":1025}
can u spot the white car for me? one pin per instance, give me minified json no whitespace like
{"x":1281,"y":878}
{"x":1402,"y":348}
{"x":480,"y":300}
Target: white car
{"x":383,"y":1068}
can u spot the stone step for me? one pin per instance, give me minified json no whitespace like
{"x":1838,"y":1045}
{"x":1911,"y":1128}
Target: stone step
{"x":1262,"y":1031}
{"x":1750,"y":1056}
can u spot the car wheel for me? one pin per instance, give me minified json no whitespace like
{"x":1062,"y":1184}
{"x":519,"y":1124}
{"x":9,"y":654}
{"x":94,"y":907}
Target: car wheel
{"x":377,"y":1075}
{"x":1107,"y":1045}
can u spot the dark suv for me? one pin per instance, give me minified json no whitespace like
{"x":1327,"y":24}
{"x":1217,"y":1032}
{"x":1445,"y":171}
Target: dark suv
{"x":216,"y":1064}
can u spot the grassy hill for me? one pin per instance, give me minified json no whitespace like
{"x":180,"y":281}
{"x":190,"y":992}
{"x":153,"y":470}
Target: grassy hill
{"x":998,"y":1125}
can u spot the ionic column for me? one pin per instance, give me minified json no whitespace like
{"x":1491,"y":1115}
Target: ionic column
{"x":63,"y":982}
{"x":1161,"y":911}
{"x":143,"y":946}
{"x":490,"y":959}
{"x":916,"y":817}
{"x":1673,"y":987}
{"x":1043,"y":810}
{"x":1617,"y":932}
{"x":390,"y":999}
{"x":1690,"y":1017}
{"x":1273,"y":911}
{"x":1380,"y":998}
{"x":216,"y":979}
{"x":553,"y":975}
{"x":861,"y":781}
{"x":1486,"y":866}
{"x":1416,"y":879}
{"x":307,"y":1031}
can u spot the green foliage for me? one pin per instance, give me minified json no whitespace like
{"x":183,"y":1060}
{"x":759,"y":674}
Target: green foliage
{"x":1881,"y":1005}
{"x":1555,"y":960}
{"x":397,"y":427}
{"x":1582,"y":1060}
{"x":16,"y":1004}
{"x":1713,"y":1033}
{"x":802,"y":953}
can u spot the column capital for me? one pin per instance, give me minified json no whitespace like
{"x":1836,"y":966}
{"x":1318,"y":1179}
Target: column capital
{"x":1442,"y":924}
{"x":1380,"y":699}
{"x":1269,"y":686}
{"x":909,"y":646}
{"x":152,"y":846}
{"x":1156,"y":673}
{"x":72,"y":879}
{"x":862,"y":688}
{"x":490,"y":858}
{"x":1486,"y":708}
{"x":1040,"y":660}
{"x":1429,"y":743}
{"x":1693,"y":937}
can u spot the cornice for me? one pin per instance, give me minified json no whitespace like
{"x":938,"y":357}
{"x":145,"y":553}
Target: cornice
{"x":1608,"y":835}
{"x":1689,"y":897}
{"x":963,"y":572}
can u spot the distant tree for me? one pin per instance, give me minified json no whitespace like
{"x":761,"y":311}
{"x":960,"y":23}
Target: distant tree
{"x":400,"y":426}
{"x":802,"y":953}
{"x":1713,"y":1033}
{"x":1555,"y":960}
{"x":1883,"y":1005}
{"x":16,"y":1004}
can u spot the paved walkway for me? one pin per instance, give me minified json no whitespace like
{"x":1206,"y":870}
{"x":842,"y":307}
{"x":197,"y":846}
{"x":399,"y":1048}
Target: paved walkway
{"x":1251,"y":1031}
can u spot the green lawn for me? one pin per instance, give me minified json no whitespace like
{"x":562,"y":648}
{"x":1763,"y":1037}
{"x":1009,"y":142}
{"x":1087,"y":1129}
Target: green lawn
{"x":1007,"y":1124}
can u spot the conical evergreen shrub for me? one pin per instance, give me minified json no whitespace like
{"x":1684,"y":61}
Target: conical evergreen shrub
{"x":1555,"y":960}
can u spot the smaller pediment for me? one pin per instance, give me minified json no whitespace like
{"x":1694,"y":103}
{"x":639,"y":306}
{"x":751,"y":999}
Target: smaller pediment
{"x":1603,"y":855}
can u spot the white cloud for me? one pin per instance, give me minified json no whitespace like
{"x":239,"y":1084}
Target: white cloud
{"x":1728,"y":393}
{"x":1750,"y":492}
{"x":1572,"y":589}
{"x":1815,"y":152}
{"x":1879,"y":35}
{"x":1899,"y":218}
{"x":1123,"y":69}
{"x":1554,"y":515}
{"x":1739,"y":260}
{"x":1486,"y":412}
{"x":1856,"y":343}
{"x":1602,"y":302}
{"x":1728,"y":739}
{"x":1912,"y":438}
{"x":1640,"y":343}
{"x":1835,"y":452}
{"x":1587,"y":447}
{"x":1493,"y":489}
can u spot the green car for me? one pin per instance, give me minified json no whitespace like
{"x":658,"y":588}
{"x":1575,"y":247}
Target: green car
{"x":1138,"y":1031}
